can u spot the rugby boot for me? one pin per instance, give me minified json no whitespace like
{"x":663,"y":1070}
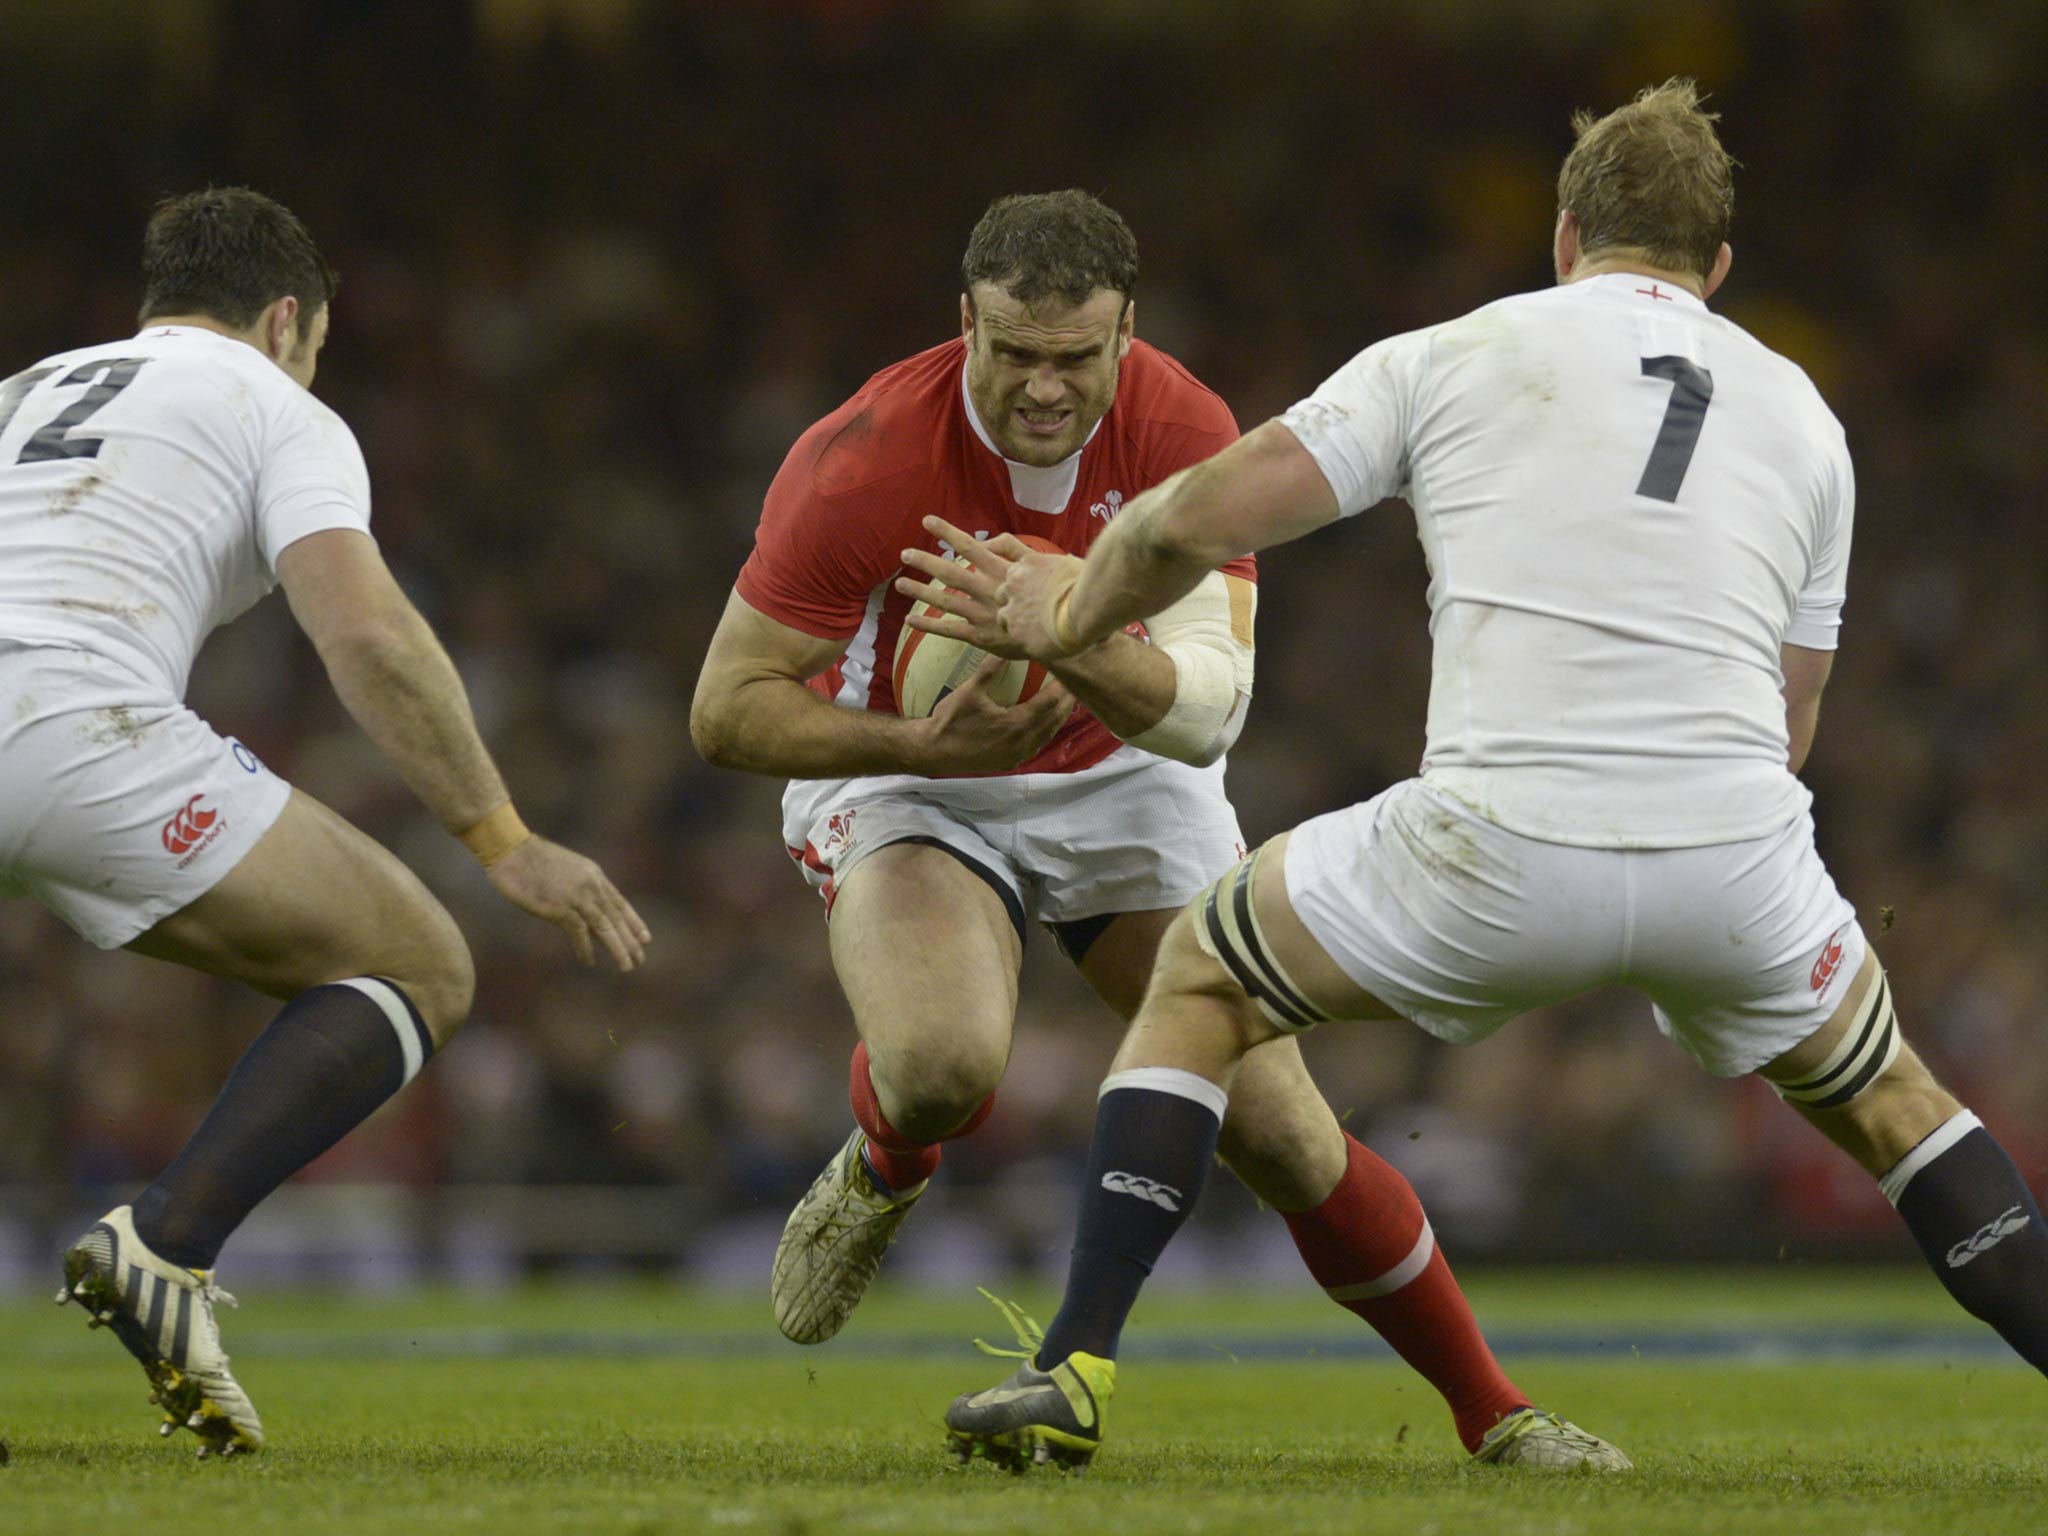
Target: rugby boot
{"x":163,"y":1314}
{"x":1036,"y":1416}
{"x":1544,"y":1442}
{"x":832,"y":1246}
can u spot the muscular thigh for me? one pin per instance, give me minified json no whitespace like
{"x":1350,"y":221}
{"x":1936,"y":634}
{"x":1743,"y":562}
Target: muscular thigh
{"x":314,"y":901}
{"x":927,"y":954}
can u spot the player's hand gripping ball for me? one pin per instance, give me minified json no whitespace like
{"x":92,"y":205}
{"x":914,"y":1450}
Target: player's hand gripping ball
{"x":929,"y":667}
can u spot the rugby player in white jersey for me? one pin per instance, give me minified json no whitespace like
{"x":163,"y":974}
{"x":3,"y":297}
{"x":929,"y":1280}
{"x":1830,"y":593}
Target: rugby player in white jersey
{"x":1636,"y":519}
{"x":151,"y":490}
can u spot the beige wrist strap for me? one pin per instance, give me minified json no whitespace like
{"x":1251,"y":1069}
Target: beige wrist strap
{"x":496,"y":835}
{"x":1062,"y":629}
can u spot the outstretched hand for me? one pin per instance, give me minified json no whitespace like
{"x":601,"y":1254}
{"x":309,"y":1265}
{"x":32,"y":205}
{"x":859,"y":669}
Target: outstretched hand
{"x":992,"y":595}
{"x":571,"y":892}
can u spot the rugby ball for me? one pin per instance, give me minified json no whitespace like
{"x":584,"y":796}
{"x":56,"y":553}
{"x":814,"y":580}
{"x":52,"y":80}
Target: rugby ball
{"x":929,"y":667}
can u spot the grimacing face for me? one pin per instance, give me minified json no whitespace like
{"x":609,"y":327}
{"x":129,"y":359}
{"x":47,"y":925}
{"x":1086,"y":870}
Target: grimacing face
{"x":1042,"y":378}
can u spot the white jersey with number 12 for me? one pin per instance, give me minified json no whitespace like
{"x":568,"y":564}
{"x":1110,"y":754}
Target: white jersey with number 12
{"x":147,"y":488}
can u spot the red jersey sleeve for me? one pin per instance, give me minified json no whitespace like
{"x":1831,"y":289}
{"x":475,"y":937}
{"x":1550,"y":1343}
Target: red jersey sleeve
{"x":822,"y":546}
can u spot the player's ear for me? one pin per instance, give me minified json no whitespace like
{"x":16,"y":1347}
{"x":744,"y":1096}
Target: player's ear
{"x":1723,"y":260}
{"x":1126,"y":327}
{"x":967,"y":318}
{"x":1564,"y":244}
{"x":277,"y":325}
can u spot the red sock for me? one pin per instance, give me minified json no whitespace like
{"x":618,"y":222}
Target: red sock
{"x":1370,"y":1247}
{"x":900,"y":1162}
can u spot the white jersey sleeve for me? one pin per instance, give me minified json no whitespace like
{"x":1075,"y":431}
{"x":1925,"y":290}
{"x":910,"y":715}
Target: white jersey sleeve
{"x":1817,"y":616}
{"x":1356,"y":427}
{"x":312,"y":478}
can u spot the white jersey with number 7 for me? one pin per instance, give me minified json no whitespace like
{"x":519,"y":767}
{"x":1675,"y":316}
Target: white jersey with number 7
{"x":1628,"y":506}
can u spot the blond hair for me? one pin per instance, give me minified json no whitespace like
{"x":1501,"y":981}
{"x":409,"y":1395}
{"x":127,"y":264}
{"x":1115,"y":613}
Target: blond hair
{"x":1651,"y":177}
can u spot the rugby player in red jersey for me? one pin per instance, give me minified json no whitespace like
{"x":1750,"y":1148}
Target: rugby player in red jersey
{"x":1096,"y":807}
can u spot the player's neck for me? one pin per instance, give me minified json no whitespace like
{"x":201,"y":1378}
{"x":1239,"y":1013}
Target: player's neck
{"x":1604,"y":266}
{"x":204,"y":323}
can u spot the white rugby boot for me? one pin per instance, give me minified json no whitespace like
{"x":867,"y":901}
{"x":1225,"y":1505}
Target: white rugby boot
{"x":1546,"y":1443}
{"x":163,"y":1313}
{"x":832,"y":1246}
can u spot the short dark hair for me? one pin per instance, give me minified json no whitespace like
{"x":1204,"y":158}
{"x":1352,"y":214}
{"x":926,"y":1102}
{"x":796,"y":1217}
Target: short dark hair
{"x":230,"y":253}
{"x":1061,"y":245}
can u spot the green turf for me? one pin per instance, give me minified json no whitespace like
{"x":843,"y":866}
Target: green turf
{"x":439,"y":1412}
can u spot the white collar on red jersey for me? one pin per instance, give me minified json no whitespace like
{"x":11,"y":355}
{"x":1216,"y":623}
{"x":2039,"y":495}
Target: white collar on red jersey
{"x":1034,"y":489}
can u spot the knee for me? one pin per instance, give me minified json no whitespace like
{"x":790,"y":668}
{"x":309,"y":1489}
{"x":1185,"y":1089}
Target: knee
{"x":928,"y":1093}
{"x":437,"y":972}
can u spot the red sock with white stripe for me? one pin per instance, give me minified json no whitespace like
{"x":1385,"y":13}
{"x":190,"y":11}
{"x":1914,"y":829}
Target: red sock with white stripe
{"x":898,"y":1162}
{"x":1370,"y":1246}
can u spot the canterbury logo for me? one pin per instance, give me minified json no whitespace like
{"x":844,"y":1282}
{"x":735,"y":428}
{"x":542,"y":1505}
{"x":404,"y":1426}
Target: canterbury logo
{"x":1830,"y":958}
{"x":1165,"y":1196}
{"x":189,"y":826}
{"x":1988,"y":1236}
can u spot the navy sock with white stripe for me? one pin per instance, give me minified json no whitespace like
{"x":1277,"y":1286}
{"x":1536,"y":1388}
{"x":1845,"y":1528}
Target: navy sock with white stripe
{"x":323,"y":1067}
{"x":1155,"y":1136}
{"x":1979,"y":1230}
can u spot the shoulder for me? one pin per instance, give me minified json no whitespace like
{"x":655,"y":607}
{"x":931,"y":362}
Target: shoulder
{"x":1490,"y":325}
{"x":891,"y":426}
{"x":1790,"y":385}
{"x":1156,"y":392}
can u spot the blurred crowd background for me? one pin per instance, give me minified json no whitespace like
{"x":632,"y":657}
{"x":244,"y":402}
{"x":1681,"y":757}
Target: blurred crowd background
{"x":603,"y":260}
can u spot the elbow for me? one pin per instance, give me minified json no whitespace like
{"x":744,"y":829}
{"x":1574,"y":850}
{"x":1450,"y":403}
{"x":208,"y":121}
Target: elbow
{"x":708,"y":733}
{"x":1203,"y":722}
{"x":715,"y":727}
{"x":370,"y":646}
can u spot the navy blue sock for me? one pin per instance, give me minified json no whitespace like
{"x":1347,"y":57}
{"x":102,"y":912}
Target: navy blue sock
{"x":1155,"y":1136}
{"x":1979,"y":1229}
{"x":322,"y":1067}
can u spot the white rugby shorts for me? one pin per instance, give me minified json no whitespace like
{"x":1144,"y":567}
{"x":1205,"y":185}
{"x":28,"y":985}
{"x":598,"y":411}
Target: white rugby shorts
{"x":1134,"y":833}
{"x":1744,"y":949}
{"x":118,"y":805}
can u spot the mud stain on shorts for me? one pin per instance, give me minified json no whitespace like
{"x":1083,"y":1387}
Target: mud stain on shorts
{"x":115,"y":726}
{"x":73,"y":496}
{"x":135,"y":614}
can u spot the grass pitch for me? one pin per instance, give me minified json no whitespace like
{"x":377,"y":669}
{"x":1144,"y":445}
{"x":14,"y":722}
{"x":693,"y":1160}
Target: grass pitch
{"x":1775,"y":1402}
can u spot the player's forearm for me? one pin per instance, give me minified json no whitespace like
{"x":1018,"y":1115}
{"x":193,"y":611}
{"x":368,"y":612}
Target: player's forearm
{"x":1125,"y":683}
{"x":1154,"y":554}
{"x":401,"y":688}
{"x":1802,"y":720}
{"x":777,"y":726}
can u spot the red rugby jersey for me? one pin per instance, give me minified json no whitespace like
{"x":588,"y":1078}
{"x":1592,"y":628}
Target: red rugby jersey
{"x":849,"y":498}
